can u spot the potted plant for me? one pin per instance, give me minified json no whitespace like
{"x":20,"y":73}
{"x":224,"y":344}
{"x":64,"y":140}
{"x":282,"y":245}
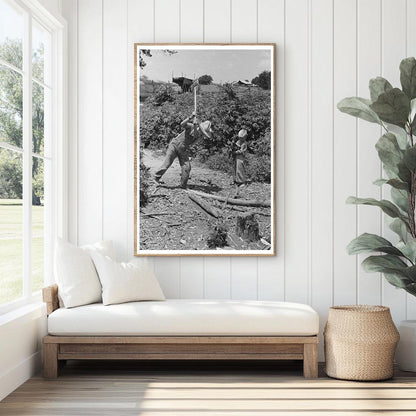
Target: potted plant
{"x":394,"y":109}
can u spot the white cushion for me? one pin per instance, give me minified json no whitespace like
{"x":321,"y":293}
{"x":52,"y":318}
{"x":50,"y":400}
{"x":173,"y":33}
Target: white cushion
{"x":103,"y":247}
{"x":187,"y":317}
{"x":126,"y":282}
{"x":75,"y":273}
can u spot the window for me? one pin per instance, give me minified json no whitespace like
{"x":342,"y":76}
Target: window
{"x":31,"y":137}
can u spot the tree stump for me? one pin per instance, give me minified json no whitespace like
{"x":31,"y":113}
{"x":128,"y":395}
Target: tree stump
{"x":247,"y":227}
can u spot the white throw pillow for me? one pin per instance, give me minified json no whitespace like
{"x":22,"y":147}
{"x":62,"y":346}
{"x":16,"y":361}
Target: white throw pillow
{"x":75,"y":273}
{"x":126,"y":282}
{"x":104,"y":247}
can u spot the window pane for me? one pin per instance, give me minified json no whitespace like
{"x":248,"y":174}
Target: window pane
{"x":11,"y":34}
{"x":38,"y":118}
{"x":38,"y":229}
{"x":11,"y":226}
{"x":11,"y":107}
{"x":41,"y":46}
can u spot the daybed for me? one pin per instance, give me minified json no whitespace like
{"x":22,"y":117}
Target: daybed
{"x":181,"y":329}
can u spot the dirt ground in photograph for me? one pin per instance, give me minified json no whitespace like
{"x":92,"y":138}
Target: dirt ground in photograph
{"x":172,"y":221}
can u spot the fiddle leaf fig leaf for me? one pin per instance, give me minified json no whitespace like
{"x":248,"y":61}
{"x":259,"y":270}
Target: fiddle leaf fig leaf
{"x":392,"y":107}
{"x":389,"y":151}
{"x":397,"y":280}
{"x":398,"y":184}
{"x":412,"y":116}
{"x":408,"y":249}
{"x":395,"y":270}
{"x":408,"y":77}
{"x":400,"y":228}
{"x":388,"y":207}
{"x":404,"y":172}
{"x":411,"y":289}
{"x":400,"y":198}
{"x":402,"y":139}
{"x":366,"y":243}
{"x":395,"y":183}
{"x":359,"y":107}
{"x":412,"y":110}
{"x":378,"y":86}
{"x":381,"y":263}
{"x":410,"y":158}
{"x":380,"y":182}
{"x":410,"y":272}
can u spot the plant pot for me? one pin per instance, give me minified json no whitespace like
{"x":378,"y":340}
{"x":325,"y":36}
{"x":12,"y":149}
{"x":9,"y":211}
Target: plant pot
{"x":360,"y":341}
{"x":406,"y":350}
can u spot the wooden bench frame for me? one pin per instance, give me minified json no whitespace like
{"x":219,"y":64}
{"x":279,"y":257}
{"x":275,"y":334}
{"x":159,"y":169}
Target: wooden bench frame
{"x":58,"y":349}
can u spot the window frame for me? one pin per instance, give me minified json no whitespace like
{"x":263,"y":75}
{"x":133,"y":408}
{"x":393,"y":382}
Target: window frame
{"x":58,"y":215}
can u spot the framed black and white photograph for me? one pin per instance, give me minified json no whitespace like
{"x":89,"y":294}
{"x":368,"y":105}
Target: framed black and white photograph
{"x":205,"y":149}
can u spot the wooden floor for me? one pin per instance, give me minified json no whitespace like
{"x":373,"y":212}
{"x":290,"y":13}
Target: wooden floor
{"x":175,"y":389}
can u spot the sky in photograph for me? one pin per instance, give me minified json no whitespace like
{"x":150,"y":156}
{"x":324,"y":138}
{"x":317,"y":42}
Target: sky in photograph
{"x":223,"y":65}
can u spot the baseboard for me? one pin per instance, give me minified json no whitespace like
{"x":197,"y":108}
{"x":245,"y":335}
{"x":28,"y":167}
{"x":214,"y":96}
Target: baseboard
{"x":11,"y":379}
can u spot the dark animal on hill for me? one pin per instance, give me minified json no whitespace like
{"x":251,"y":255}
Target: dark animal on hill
{"x":184,"y":83}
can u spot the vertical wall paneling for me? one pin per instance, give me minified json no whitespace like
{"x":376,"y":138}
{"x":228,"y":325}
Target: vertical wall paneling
{"x":90,"y":128}
{"x":114,"y":124}
{"x":192,"y":21}
{"x":244,"y":21}
{"x":217,"y":27}
{"x":244,"y":278}
{"x":192,"y":31}
{"x":217,"y":21}
{"x":345,"y":151}
{"x":140,"y":28}
{"x":393,"y":51}
{"x":167,"y":20}
{"x":321,"y":150}
{"x":271,"y":29}
{"x":296,"y":152}
{"x":244,"y":29}
{"x":217,"y":282}
{"x":167,"y":29}
{"x":192,"y":278}
{"x":411,"y":51}
{"x":70,"y":11}
{"x":368,"y":163}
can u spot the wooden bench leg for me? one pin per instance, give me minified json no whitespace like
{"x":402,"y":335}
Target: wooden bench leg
{"x":50,"y":360}
{"x":310,"y":360}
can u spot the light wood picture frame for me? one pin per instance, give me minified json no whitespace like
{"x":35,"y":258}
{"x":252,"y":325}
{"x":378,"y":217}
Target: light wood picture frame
{"x":204,"y":144}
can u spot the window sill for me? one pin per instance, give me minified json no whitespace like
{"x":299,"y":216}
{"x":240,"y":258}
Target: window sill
{"x":33,"y":306}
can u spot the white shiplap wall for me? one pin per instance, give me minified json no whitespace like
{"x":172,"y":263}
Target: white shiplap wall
{"x":326,"y":50}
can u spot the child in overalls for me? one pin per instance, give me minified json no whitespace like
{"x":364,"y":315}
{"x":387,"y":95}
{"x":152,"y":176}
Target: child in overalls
{"x":240,"y":175}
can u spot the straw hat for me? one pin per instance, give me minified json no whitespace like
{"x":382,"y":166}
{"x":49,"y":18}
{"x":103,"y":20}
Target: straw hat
{"x":205,"y":127}
{"x":242,"y":134}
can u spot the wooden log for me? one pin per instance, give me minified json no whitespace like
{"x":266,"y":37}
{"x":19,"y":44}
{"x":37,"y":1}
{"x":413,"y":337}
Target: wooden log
{"x":244,"y":202}
{"x":240,"y":209}
{"x":247,"y":227}
{"x":205,"y":206}
{"x":152,"y":214}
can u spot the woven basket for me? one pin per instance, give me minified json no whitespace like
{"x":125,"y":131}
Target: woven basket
{"x":360,"y":342}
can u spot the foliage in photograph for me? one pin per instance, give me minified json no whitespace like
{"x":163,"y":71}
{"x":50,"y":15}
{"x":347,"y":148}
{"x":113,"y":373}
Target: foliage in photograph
{"x":162,"y":114}
{"x":394,"y":109}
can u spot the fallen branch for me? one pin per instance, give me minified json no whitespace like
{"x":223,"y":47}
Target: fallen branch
{"x":239,"y":209}
{"x":168,"y":223}
{"x":244,"y":202}
{"x":206,"y":207}
{"x":152,"y":214}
